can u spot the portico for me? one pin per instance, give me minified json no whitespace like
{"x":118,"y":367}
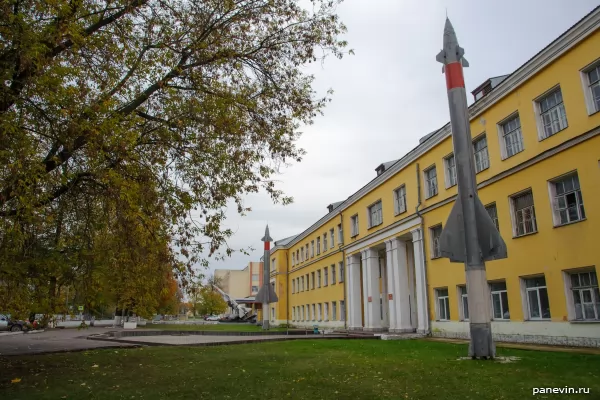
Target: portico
{"x":386,"y":284}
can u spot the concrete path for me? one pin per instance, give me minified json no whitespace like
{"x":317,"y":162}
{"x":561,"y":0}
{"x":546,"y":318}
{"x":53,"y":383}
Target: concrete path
{"x":54,"y":341}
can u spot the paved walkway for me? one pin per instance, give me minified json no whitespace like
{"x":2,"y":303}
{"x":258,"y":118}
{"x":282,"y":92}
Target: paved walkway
{"x":54,"y":341}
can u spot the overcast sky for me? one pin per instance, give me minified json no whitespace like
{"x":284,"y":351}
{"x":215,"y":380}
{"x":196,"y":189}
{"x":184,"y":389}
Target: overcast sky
{"x":390,"y":94}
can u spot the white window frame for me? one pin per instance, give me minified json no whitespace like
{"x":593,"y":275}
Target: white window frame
{"x":314,"y":312}
{"x":303,"y":314}
{"x":375,"y":216}
{"x":450,"y":171}
{"x":354,"y":229}
{"x":342,"y":310}
{"x":302,"y":254}
{"x":500,"y":127}
{"x":494,"y":220}
{"x":340,"y":234}
{"x":273,"y":264}
{"x":332,"y":238}
{"x":438,"y":310}
{"x":324,"y":242}
{"x":463,"y":312}
{"x":342,"y":272}
{"x":479,"y":154}
{"x":312,"y":279}
{"x":555,"y":200}
{"x":319,"y":312}
{"x":430,"y":183}
{"x":293,"y":286}
{"x":399,"y":200}
{"x":319,"y":245}
{"x":306,"y":251}
{"x":333,"y":272}
{"x":312,"y":248}
{"x":570,"y":293}
{"x":537,"y":109}
{"x":435,"y":244}
{"x":334,"y":311}
{"x":525,"y":294}
{"x":294,"y":314}
{"x":293,"y":259}
{"x":590,"y":104}
{"x":326,"y":312}
{"x":499,"y":293}
{"x":514,"y":216}
{"x":325,"y":276}
{"x":318,"y":279}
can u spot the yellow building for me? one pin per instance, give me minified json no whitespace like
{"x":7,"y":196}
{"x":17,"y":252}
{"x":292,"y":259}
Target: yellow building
{"x":372,"y":262}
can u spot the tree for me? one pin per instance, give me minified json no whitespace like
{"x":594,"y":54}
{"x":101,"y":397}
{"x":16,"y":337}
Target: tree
{"x":127,"y":125}
{"x":211,"y":302}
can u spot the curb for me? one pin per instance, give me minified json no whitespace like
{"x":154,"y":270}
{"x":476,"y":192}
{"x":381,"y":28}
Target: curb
{"x":11,"y":333}
{"x":36,"y":331}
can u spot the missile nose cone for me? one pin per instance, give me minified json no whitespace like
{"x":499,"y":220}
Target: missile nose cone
{"x":267,"y":237}
{"x":449,"y":34}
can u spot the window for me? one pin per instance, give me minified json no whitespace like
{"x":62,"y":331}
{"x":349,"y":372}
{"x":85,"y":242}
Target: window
{"x":586,"y":297}
{"x":302,"y":281}
{"x":400,"y":200}
{"x":298,"y":256}
{"x":333,"y":311}
{"x":273,"y":268}
{"x":354,"y":225}
{"x":443,"y":307}
{"x":318,"y":278}
{"x":324,"y":242}
{"x":254,"y":289}
{"x":493,"y":213}
{"x":331,"y":237}
{"x":524,"y":214}
{"x":313,"y":280}
{"x":303,"y":314}
{"x":342,"y":310}
{"x":340,"y":234}
{"x":436,"y":232}
{"x":325,"y":276}
{"x":307,"y":251}
{"x":341,"y":271}
{"x":325,"y":311}
{"x":314,"y":316}
{"x":319,"y":312}
{"x":537,"y":298}
{"x":307,"y":282}
{"x":499,"y":300}
{"x":312,"y":248}
{"x":333,"y":274}
{"x":512,"y":138}
{"x":293,"y":259}
{"x":591,"y":80}
{"x":480,"y":150}
{"x":318,"y":245}
{"x":450,"y":171}
{"x":552,"y":115}
{"x":302,"y":254}
{"x":293,"y":286}
{"x":567,"y":200}
{"x":293,"y":313}
{"x":375,"y":217}
{"x":464,"y":303}
{"x":431,"y":188}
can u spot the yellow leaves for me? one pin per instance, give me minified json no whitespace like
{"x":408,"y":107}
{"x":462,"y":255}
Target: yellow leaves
{"x":16,"y":380}
{"x":95,"y":366}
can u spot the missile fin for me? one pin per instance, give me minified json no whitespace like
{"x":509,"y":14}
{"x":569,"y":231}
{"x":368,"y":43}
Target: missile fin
{"x":443,"y":69}
{"x":460,"y":51}
{"x":266,"y":294}
{"x":441,"y":57}
{"x":452,"y":239}
{"x":464,"y":62}
{"x":491,"y":244}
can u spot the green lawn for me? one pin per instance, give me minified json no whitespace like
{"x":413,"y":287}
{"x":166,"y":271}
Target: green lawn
{"x":218,"y":327}
{"x":302,"y":369}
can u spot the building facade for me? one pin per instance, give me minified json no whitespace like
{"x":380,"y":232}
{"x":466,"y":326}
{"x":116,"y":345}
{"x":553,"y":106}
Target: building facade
{"x":372,"y":262}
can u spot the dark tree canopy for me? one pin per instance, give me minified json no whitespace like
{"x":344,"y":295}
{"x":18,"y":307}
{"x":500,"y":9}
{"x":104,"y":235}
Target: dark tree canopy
{"x":119,"y":119}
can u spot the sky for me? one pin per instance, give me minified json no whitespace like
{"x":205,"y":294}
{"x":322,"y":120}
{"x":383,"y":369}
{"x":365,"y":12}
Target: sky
{"x":390,"y":94}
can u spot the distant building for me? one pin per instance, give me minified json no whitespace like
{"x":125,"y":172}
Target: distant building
{"x":241,"y":283}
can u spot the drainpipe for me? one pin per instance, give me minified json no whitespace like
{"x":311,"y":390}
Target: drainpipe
{"x":287,"y":294}
{"x":344,"y":267}
{"x":422,"y":238}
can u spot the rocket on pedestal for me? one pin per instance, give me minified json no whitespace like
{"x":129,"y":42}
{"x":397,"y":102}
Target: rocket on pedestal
{"x":266,"y":294}
{"x":469,"y":236}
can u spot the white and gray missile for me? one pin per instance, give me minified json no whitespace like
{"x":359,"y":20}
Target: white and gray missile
{"x":266,"y":294}
{"x":469,"y":236}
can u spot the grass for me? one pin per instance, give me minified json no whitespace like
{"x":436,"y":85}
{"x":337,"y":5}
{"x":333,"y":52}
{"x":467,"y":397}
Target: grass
{"x":217,"y":327}
{"x":302,"y":369}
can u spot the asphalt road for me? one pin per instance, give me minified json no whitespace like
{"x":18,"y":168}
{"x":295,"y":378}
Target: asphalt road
{"x":52,"y":341}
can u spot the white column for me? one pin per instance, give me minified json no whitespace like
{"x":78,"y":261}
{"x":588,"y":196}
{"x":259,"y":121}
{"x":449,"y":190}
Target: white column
{"x":421,"y":280}
{"x":392,"y":276}
{"x":385,"y":321}
{"x":353,"y":293}
{"x":401,"y":288}
{"x":371,"y":284}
